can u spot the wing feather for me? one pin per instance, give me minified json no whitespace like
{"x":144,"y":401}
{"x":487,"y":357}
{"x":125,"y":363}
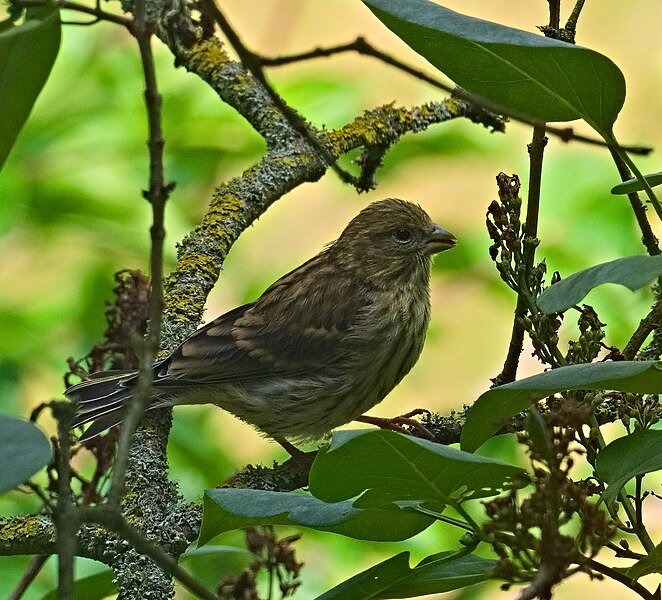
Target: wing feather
{"x":300,"y":324}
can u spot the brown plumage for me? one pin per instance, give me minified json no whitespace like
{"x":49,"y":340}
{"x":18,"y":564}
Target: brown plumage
{"x":322,"y":345}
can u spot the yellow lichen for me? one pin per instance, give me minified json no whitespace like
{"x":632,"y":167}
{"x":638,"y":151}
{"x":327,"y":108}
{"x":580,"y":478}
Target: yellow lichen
{"x":209,"y":55}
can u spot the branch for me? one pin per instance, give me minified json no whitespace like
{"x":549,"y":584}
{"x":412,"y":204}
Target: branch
{"x":621,"y":578}
{"x":639,"y":208}
{"x":361,"y":46}
{"x":648,"y":324}
{"x":67,"y":519}
{"x":157,"y":195}
{"x":112,"y":520}
{"x":29,"y":576}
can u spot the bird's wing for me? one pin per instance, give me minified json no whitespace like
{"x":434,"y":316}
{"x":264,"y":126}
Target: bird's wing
{"x":289,"y":330}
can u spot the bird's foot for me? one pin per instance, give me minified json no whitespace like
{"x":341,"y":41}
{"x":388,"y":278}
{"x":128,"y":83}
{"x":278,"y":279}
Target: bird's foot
{"x":396,"y":423}
{"x":299,"y":459}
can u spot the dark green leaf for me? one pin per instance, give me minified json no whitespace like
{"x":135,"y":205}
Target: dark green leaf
{"x":633,"y":272}
{"x":647,"y":565}
{"x":27,"y":54}
{"x":497,"y":406}
{"x":394,"y":578}
{"x":634,"y":185}
{"x":94,"y":587}
{"x":393,"y":466}
{"x":226,"y":509}
{"x":523,"y":72}
{"x":24,"y":449}
{"x":627,"y":457}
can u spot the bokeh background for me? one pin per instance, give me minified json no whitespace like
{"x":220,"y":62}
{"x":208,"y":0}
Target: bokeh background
{"x":71,"y":215}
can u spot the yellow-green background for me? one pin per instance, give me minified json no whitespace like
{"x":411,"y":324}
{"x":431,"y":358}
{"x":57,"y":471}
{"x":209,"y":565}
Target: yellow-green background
{"x":71,"y":214}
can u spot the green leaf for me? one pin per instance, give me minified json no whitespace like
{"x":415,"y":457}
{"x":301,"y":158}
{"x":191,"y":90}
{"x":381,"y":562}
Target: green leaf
{"x":393,"y":466}
{"x":633,"y":272}
{"x":93,"y":587}
{"x":626,"y":457}
{"x":27,"y":54}
{"x":226,"y":509}
{"x":526,"y":73}
{"x":497,"y":406}
{"x":634,"y":185}
{"x":647,"y":565}
{"x":394,"y":578}
{"x":24,"y":449}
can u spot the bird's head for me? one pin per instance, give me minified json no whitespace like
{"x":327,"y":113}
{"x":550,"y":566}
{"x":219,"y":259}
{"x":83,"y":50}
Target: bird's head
{"x":391,"y":243}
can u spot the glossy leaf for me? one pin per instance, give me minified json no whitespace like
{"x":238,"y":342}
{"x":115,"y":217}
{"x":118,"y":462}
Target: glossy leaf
{"x":226,"y":509}
{"x":392,"y":466}
{"x":27,"y":54}
{"x":634,"y":185}
{"x":497,"y":406}
{"x":626,"y":457}
{"x":24,"y":449}
{"x":633,"y":272}
{"x":394,"y":578}
{"x":523,"y":72}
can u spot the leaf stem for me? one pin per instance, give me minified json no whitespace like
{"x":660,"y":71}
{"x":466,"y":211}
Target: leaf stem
{"x":441,"y":517}
{"x":657,"y":207}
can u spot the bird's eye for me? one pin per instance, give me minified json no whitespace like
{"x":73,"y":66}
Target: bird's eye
{"x":402,"y":235}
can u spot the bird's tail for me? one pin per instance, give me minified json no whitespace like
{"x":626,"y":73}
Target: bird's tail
{"x":101,"y":399}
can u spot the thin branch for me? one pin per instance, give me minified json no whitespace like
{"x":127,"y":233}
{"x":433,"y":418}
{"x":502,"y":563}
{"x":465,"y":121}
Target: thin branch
{"x":29,"y":576}
{"x":253,"y":63}
{"x":530,"y":230}
{"x":648,"y":238}
{"x":108,"y":517}
{"x":652,"y":321}
{"x":571,"y":23}
{"x":157,"y":195}
{"x":67,"y":517}
{"x":97,"y":12}
{"x":554,"y":14}
{"x":361,"y":46}
{"x":621,"y":578}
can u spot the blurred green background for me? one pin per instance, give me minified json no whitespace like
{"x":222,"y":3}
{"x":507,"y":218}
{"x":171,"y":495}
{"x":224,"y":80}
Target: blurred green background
{"x":71,"y":215}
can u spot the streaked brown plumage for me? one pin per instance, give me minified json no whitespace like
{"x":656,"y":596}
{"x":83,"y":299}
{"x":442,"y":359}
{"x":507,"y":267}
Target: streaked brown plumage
{"x":317,"y":349}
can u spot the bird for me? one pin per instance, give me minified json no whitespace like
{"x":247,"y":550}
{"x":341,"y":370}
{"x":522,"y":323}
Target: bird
{"x":321,"y":346}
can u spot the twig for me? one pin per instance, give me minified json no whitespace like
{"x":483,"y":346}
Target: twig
{"x":29,"y":576}
{"x":530,"y":230}
{"x":110,"y":518}
{"x":361,"y":46}
{"x":97,"y":12}
{"x":540,"y":587}
{"x":571,"y":23}
{"x":554,"y":14}
{"x":67,"y":517}
{"x":48,"y":504}
{"x":652,"y":321}
{"x":157,"y":195}
{"x":253,"y":62}
{"x":621,"y":552}
{"x":621,"y":578}
{"x":648,"y":238}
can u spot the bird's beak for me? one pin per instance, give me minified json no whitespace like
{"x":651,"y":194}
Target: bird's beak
{"x":440,"y":239}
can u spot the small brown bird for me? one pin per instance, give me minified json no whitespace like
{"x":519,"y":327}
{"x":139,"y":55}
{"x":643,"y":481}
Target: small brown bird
{"x":322,"y":345}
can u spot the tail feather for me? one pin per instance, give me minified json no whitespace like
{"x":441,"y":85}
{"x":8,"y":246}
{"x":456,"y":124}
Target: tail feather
{"x":101,"y":424}
{"x":101,"y":399}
